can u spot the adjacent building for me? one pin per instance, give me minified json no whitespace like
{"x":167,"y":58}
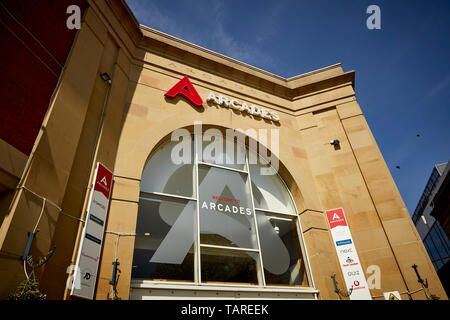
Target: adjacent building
{"x":430,"y":215}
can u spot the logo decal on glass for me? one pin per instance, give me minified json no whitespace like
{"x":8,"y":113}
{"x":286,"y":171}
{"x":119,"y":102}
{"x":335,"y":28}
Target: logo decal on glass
{"x":226,"y":218}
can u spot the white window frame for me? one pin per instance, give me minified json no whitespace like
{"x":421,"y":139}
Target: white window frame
{"x":262,"y":286}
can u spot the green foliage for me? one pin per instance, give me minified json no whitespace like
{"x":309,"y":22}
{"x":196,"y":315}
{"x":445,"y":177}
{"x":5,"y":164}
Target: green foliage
{"x":27,"y":290}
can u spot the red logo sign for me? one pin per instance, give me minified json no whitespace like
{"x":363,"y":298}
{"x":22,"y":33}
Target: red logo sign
{"x":186,"y":89}
{"x":103,"y":180}
{"x":336,"y":218}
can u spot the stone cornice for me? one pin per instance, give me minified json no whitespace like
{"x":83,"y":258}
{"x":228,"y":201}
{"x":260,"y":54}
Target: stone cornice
{"x":159,"y":43}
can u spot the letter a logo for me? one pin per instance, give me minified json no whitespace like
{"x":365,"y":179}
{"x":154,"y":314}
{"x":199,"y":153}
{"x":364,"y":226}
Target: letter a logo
{"x":186,"y":89}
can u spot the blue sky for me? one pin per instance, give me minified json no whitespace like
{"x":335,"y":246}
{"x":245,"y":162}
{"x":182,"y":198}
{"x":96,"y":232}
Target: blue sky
{"x":402,"y":70}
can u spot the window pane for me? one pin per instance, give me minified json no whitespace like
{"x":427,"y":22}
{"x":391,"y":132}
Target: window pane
{"x":216,"y":149}
{"x":164,"y":239}
{"x":269,"y":192}
{"x":440,"y":248}
{"x":163,"y":174}
{"x":432,"y":248}
{"x":443,"y":237}
{"x":226,"y":212}
{"x":280,"y":250}
{"x":230,"y":266}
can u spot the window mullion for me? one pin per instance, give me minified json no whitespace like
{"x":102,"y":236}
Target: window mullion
{"x":167,"y":195}
{"x":221,"y":167}
{"x":213,"y":246}
{"x":305,"y":255}
{"x":277,"y":212}
{"x":261,"y":265}
{"x":197,"y":264}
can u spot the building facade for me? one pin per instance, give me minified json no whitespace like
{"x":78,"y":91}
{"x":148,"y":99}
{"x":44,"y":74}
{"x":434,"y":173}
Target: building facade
{"x":272,"y":168}
{"x":429,"y":227}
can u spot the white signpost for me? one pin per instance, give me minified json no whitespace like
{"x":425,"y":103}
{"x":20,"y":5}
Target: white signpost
{"x":91,"y":242}
{"x":348,"y":257}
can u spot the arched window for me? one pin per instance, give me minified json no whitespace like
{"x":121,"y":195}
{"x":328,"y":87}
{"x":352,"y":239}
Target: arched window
{"x":216,"y":218}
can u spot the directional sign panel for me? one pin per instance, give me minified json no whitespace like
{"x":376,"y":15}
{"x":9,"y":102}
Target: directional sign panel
{"x":91,"y":243}
{"x":348,"y":258}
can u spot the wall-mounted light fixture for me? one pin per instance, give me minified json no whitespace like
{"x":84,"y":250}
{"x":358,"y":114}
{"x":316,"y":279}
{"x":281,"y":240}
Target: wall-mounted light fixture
{"x":105,"y":77}
{"x":335,"y":142}
{"x":339,"y":291}
{"x":419,"y":279}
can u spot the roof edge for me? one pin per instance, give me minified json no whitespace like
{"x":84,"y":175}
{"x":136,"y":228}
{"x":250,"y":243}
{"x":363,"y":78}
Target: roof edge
{"x":221,"y":58}
{"x":318,"y":75}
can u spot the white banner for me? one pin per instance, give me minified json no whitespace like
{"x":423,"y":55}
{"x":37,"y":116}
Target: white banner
{"x":85,"y":277}
{"x":348,"y":258}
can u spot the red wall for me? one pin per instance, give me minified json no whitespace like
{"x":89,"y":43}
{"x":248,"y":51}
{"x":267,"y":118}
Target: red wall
{"x":28,"y":73}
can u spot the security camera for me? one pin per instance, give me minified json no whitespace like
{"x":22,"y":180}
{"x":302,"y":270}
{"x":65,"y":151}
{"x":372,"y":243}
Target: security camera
{"x":334,"y":142}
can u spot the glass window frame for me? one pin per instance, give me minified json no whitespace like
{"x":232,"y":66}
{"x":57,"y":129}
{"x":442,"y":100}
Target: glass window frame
{"x":198,"y":245}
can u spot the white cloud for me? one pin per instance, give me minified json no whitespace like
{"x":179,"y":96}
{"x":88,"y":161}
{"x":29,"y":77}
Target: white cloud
{"x":439,"y":86}
{"x":435,"y":90}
